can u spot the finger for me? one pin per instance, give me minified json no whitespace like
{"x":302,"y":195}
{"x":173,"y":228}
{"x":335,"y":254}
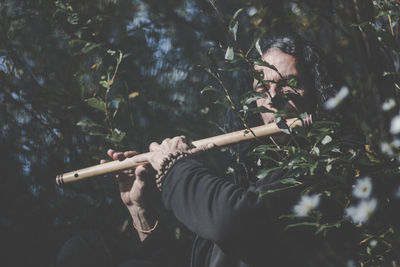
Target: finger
{"x":166,"y":141}
{"x":180,"y":143}
{"x":118,"y":156}
{"x":154,"y":146}
{"x":145,"y":157}
{"x":202,"y":148}
{"x":176,"y":141}
{"x":110,"y":152}
{"x":103,"y":161}
{"x":140,"y":172}
{"x":129,"y":154}
{"x":184,"y":139}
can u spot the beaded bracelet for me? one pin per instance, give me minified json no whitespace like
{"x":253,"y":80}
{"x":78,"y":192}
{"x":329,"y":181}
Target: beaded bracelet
{"x":167,"y":163}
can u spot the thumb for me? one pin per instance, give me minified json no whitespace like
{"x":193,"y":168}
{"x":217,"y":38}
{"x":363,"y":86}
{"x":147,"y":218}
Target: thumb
{"x":202,"y":148}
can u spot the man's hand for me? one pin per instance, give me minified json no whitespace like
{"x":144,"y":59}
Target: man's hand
{"x":135,"y":189}
{"x":158,"y":152}
{"x":132,"y":183}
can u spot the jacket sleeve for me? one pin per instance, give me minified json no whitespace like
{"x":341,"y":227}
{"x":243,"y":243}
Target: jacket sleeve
{"x":216,"y":209}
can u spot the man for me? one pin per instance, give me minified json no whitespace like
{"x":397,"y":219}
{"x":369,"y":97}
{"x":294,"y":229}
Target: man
{"x":233,"y":225}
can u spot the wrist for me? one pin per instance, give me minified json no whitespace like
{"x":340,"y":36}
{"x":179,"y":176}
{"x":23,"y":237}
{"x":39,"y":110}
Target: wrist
{"x":136,"y":210}
{"x":143,"y":220}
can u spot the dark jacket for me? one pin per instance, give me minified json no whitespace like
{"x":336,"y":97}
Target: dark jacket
{"x":235,"y":226}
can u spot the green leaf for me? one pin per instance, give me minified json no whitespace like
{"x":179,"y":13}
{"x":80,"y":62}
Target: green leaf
{"x":313,"y":168}
{"x":386,"y":73}
{"x":260,"y":109}
{"x":236,"y":14}
{"x":260,"y":62}
{"x":253,"y":98}
{"x":92,"y":127}
{"x":263,"y":173}
{"x":104,"y":84}
{"x":301,"y":224}
{"x":328,"y":226}
{"x":89,"y":47}
{"x":88,"y":123}
{"x":229,"y":54}
{"x":234,"y":29}
{"x":117,"y":136}
{"x":327,"y":139}
{"x":328,"y":168}
{"x":259,"y":48}
{"x":73,"y":18}
{"x":292,"y":82}
{"x":276,"y":190}
{"x":315,"y":151}
{"x":281,"y":123}
{"x":289,"y":181}
{"x":209,"y":88}
{"x":96,"y":103}
{"x":225,"y":102}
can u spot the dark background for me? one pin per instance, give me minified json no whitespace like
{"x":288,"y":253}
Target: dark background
{"x":53,"y":54}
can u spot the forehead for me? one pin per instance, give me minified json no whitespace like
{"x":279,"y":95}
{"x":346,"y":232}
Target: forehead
{"x":285,"y":63}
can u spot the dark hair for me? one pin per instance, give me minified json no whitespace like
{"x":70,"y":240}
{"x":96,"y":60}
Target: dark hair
{"x":309,"y":64}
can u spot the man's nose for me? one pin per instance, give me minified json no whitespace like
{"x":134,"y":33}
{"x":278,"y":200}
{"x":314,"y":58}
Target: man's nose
{"x":272,"y":90}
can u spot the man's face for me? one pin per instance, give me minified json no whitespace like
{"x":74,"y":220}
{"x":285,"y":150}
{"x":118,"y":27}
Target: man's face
{"x":286,"y":65}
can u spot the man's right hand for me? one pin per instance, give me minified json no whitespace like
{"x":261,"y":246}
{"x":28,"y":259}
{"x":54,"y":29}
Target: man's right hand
{"x":135,"y":187}
{"x":132,"y":182}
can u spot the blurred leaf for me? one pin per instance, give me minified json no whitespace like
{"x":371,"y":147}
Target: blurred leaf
{"x":234,"y":29}
{"x":259,"y":48}
{"x":104,"y":84}
{"x":237,"y":14}
{"x":229,"y":55}
{"x":89,"y":47}
{"x":263,"y":173}
{"x":301,"y":224}
{"x":327,"y":139}
{"x":289,"y":181}
{"x":292,"y":82}
{"x":265,"y":64}
{"x":96,"y":103}
{"x":133,"y":95}
{"x":281,"y":123}
{"x":117,"y":136}
{"x":209,"y":88}
{"x":390,"y":73}
{"x":73,"y":18}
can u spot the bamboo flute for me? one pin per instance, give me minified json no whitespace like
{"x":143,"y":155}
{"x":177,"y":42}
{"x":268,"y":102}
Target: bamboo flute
{"x":220,"y":140}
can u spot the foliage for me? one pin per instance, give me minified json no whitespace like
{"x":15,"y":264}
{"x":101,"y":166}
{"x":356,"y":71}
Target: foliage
{"x":342,"y":185}
{"x":78,"y":78}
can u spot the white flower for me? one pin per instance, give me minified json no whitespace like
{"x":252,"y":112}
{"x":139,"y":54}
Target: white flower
{"x":396,"y":143}
{"x":388,"y":104}
{"x":306,"y":205}
{"x":333,"y":102}
{"x":373,"y":243}
{"x":387,"y":149}
{"x":397,"y":193}
{"x":251,"y":11}
{"x":395,"y":125}
{"x":362,"y":212}
{"x":350,"y":263}
{"x":362,"y":188}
